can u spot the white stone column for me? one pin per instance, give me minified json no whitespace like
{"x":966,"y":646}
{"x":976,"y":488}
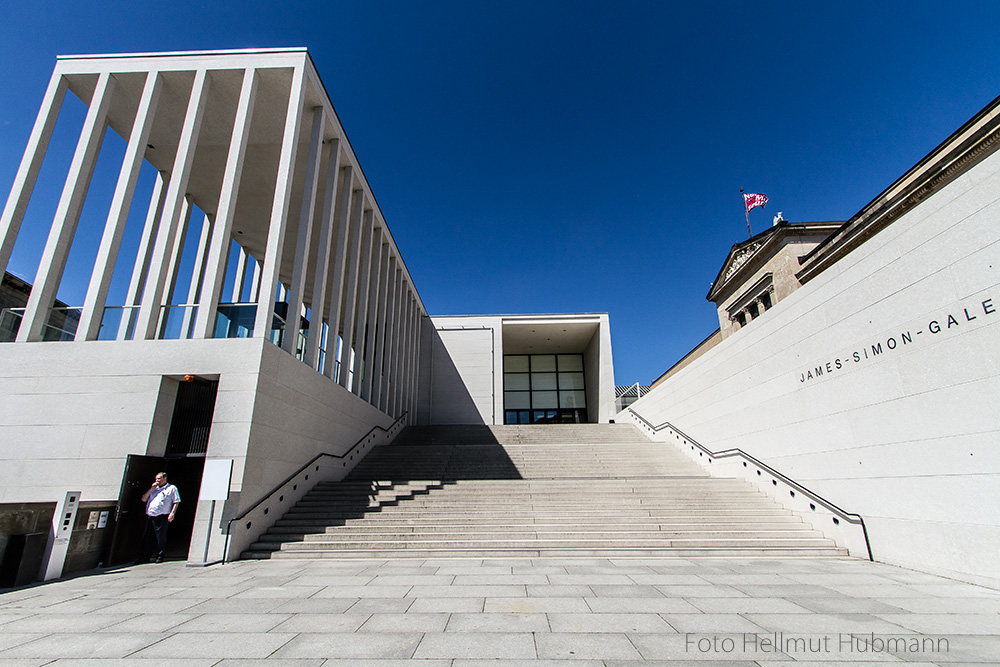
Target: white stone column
{"x":107,"y":253}
{"x":53,"y":261}
{"x":142,"y":256}
{"x":321,"y":277}
{"x":392,"y":341}
{"x":31,"y":163}
{"x":198,"y":272}
{"x":397,"y":363}
{"x":411,"y":370}
{"x":388,"y":266}
{"x":378,"y":252}
{"x":364,"y":281}
{"x":218,"y":253}
{"x":239,"y":278}
{"x":255,"y":282}
{"x":177,"y":245}
{"x":404,"y":354}
{"x":173,"y":208}
{"x":304,"y":237}
{"x":392,"y":285}
{"x":404,"y":357}
{"x":415,"y":379}
{"x":339,"y":262}
{"x":279,"y":212}
{"x":351,"y":295}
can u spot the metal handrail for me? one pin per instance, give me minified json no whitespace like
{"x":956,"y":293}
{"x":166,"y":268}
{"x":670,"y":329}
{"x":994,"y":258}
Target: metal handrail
{"x":288,"y":479}
{"x":850,"y":517}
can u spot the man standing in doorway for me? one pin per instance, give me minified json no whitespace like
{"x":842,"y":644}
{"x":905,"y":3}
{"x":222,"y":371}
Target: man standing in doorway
{"x":161,"y":501}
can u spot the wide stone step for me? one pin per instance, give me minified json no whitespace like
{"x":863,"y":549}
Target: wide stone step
{"x":552,"y":543}
{"x":525,"y":535}
{"x":376,"y":522}
{"x":604,"y":552}
{"x":365,"y":526}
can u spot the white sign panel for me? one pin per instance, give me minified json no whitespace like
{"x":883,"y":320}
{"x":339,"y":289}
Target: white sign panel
{"x":215,"y":479}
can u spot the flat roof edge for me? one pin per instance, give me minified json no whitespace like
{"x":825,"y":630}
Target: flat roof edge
{"x":174,"y":54}
{"x":524,"y":315}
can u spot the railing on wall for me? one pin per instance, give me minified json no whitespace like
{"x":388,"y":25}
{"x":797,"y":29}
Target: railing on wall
{"x":252,"y":521}
{"x":784,"y":490}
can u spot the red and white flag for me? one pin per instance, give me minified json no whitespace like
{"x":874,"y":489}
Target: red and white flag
{"x":753,"y":199}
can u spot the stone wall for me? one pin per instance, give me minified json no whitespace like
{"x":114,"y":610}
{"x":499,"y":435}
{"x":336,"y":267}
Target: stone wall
{"x":875,"y":384}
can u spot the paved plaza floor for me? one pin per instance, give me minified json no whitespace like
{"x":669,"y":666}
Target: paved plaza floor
{"x":499,"y":612}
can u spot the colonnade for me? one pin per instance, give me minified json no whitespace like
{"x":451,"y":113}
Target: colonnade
{"x":252,"y":140}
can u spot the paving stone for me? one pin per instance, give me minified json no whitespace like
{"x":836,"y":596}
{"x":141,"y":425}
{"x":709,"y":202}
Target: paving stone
{"x":12,"y":639}
{"x":119,"y":662}
{"x":349,"y":622}
{"x":382,"y":606}
{"x":413,"y":580}
{"x":338,"y":591}
{"x":535,"y":605}
{"x":846,"y":605}
{"x":315,"y":606}
{"x":626,"y":591}
{"x":498,"y":622}
{"x":661,"y":605}
{"x":500,"y":579}
{"x":393,"y":645}
{"x":150,"y":623}
{"x":457,"y":591}
{"x":600,"y":623}
{"x":502,"y":646}
{"x":576,"y":646}
{"x":46,"y":623}
{"x":84,"y":645}
{"x":711,"y":623}
{"x":224,"y":623}
{"x":449,"y":605}
{"x":938,"y":624}
{"x":558,"y":591}
{"x":747,"y":605}
{"x":408,"y":622}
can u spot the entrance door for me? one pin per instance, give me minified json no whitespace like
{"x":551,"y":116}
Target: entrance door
{"x":192,"y":419}
{"x":140,"y":470}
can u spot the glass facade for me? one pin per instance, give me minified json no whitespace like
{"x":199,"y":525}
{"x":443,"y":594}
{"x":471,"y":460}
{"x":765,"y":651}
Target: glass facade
{"x":544,"y":389}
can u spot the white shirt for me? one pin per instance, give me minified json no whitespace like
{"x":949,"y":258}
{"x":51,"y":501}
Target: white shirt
{"x":162,"y":499}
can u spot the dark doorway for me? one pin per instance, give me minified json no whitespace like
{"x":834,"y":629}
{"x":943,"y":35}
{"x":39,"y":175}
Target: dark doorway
{"x":140,"y":470}
{"x":192,"y":419}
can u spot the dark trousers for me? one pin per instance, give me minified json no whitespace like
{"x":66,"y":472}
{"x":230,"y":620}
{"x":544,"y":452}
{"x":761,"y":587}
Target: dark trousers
{"x":155,"y":535}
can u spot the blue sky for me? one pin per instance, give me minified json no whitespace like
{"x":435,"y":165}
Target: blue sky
{"x":576,"y":156}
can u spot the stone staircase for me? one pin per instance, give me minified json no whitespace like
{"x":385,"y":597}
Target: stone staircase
{"x":553,"y":490}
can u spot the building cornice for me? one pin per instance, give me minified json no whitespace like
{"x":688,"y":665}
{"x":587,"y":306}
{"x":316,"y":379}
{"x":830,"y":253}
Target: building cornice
{"x":965,"y":148}
{"x":747,"y":257}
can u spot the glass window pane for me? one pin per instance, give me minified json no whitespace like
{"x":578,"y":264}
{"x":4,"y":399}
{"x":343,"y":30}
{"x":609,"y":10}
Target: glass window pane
{"x":516,"y":400}
{"x":571,"y":380}
{"x":543,"y":381}
{"x":513,"y":363}
{"x":513,"y":381}
{"x":543,"y":362}
{"x":544,"y":399}
{"x":571,"y":362}
{"x":572,"y":399}
{"x":523,"y":417}
{"x":510,"y":417}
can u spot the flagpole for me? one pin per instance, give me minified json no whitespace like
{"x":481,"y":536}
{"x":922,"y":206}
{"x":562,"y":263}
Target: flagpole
{"x":746,"y":213}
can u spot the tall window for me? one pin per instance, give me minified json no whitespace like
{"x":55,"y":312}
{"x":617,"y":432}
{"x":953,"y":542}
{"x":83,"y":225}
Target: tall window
{"x":544,"y":389}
